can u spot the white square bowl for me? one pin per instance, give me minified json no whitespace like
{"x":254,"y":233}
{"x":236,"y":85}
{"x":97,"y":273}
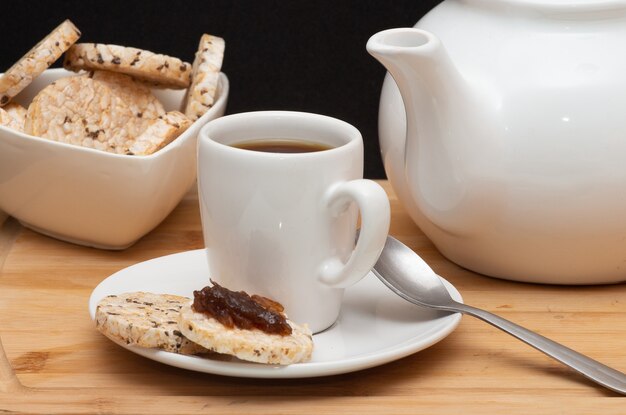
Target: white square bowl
{"x":91,"y":197}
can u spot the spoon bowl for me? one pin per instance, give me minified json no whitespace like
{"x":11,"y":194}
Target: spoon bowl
{"x":408,"y":275}
{"x":423,"y":287}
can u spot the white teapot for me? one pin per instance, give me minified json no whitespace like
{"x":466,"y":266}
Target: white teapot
{"x":512,"y":154}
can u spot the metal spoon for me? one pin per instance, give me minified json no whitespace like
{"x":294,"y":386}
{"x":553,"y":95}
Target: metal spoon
{"x":402,"y":270}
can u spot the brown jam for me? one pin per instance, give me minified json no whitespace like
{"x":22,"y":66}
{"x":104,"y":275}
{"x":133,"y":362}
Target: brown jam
{"x":238,"y":309}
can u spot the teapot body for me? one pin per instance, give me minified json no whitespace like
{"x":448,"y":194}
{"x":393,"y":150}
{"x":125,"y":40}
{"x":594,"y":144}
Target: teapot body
{"x":529,"y":181}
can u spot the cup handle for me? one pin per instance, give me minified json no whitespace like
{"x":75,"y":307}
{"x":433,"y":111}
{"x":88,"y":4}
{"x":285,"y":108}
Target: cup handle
{"x":373,"y":204}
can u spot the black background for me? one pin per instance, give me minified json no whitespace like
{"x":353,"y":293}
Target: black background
{"x":289,"y":54}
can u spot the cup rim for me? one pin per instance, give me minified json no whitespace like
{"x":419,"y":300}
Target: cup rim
{"x":351,"y":132}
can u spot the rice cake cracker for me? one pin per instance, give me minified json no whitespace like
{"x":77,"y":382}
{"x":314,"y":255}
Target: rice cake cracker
{"x":83,"y":111}
{"x":205,"y":76}
{"x":37,"y":60}
{"x":251,"y":345}
{"x":146,"y":320}
{"x":137,"y":95}
{"x":159,"y":133}
{"x":13,"y":115}
{"x":156,"y":69}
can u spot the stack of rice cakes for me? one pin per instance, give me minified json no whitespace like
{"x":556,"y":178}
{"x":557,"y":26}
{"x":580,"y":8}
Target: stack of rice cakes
{"x":169,"y":322}
{"x":109,"y":104}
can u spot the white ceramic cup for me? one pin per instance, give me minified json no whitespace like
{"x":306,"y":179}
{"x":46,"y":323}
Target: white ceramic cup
{"x":284,"y":225}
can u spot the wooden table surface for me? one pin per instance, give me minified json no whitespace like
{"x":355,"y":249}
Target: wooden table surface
{"x":52,"y":359}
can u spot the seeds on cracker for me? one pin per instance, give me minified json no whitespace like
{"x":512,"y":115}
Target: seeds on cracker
{"x":145,"y":320}
{"x":204,"y":76}
{"x":82,"y":111}
{"x":252,"y":328}
{"x":13,"y":116}
{"x":159,"y":133}
{"x":157,"y":69}
{"x":37,"y":60}
{"x":251,"y":345}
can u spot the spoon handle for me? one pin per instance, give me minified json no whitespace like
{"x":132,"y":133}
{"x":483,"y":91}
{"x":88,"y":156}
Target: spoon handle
{"x":592,"y":369}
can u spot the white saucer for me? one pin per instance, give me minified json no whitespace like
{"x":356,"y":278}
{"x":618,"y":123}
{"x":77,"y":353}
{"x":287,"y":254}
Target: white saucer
{"x":375,"y":326}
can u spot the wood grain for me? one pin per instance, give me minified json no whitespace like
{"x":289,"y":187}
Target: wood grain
{"x":52,"y":360}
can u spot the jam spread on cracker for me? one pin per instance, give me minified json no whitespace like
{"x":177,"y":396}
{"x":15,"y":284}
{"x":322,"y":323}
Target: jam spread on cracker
{"x":238,"y":309}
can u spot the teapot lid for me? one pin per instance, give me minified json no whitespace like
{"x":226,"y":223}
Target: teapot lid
{"x":558,"y":6}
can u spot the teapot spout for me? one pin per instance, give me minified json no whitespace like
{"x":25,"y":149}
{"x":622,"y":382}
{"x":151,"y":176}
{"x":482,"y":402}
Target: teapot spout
{"x":441,"y":110}
{"x":419,"y":64}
